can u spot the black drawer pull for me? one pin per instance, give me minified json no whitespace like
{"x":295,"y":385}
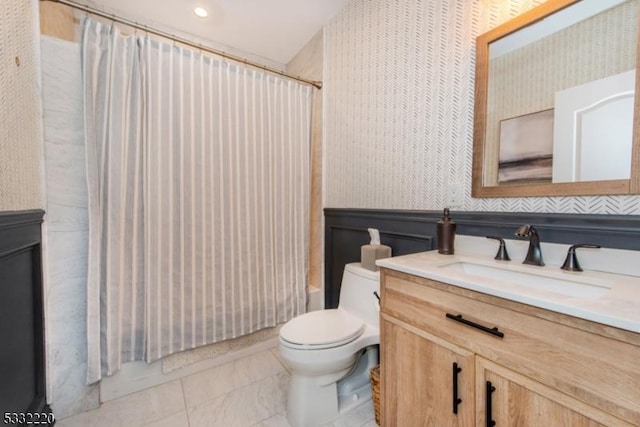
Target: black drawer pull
{"x":489,"y":408}
{"x":456,"y":400}
{"x":459,"y":318}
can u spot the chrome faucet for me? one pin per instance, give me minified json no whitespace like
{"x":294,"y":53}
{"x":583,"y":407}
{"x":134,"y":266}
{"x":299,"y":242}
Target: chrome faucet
{"x":534,"y":254}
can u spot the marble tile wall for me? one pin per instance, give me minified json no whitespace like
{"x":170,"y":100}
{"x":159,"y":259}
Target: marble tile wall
{"x":65,"y":229}
{"x":66,"y":240}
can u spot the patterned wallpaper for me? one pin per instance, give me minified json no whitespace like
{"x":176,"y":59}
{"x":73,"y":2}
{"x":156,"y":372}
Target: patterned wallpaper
{"x":398,"y":113}
{"x":20,"y":122}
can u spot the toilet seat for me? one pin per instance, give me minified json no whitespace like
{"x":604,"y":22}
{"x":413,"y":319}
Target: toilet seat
{"x":321,"y":329}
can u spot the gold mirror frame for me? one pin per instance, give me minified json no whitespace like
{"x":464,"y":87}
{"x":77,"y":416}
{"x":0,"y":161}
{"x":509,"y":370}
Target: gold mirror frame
{"x":587,"y":188}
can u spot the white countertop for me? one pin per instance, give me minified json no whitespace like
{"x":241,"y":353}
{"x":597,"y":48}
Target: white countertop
{"x":615,"y":302}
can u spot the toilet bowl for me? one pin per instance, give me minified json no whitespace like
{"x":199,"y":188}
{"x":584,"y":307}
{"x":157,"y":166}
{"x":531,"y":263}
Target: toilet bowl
{"x":330,"y":352}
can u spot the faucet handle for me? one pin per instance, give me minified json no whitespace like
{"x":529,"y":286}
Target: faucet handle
{"x":502,"y":254}
{"x":571,"y":261}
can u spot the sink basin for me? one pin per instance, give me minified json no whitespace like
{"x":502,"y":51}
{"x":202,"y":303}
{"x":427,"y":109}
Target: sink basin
{"x":572,"y":287}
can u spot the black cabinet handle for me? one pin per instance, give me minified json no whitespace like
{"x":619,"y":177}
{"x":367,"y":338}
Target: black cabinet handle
{"x":489,"y":409}
{"x":459,"y":318}
{"x":456,"y":400}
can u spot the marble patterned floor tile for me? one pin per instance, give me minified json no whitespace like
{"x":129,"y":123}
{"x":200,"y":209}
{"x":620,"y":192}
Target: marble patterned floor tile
{"x":176,"y":420}
{"x":361,"y":416}
{"x":276,"y":354}
{"x":278,"y":420}
{"x":357,"y":417}
{"x":135,"y":410}
{"x":245,"y":406}
{"x":212,"y":383}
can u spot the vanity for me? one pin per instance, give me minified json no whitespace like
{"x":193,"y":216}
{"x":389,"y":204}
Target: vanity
{"x":470,"y":341}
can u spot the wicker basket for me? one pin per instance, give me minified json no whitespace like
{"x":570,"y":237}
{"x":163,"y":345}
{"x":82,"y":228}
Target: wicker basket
{"x":375,"y":390}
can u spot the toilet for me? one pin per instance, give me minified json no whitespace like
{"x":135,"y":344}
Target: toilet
{"x":330,"y":352}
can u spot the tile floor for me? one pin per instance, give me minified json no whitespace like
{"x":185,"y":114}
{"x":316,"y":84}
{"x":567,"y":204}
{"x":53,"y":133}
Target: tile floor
{"x":248,"y":392}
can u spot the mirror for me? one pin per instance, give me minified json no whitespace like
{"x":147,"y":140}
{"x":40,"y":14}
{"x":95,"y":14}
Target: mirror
{"x":556,"y":110}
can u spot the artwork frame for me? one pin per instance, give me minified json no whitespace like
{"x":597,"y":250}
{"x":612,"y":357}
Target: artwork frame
{"x":526,"y":148}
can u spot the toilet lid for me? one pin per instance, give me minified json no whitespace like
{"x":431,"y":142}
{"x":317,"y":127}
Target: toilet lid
{"x":322,"y":329}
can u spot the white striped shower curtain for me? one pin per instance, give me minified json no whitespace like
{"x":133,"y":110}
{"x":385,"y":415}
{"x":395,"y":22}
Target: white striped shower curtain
{"x":198,"y":179}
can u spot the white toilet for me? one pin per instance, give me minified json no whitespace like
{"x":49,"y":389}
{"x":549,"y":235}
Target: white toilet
{"x":330,"y":352}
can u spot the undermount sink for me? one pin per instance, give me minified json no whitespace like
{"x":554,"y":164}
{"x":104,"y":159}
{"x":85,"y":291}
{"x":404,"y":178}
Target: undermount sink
{"x":572,"y":287}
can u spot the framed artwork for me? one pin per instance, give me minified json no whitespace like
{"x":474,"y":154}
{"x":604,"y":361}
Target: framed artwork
{"x":526,"y":148}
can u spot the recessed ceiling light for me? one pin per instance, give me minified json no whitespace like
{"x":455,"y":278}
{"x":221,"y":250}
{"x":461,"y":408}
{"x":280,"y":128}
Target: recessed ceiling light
{"x":201,"y":12}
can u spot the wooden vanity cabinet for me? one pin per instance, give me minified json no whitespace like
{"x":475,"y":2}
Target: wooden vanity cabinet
{"x":428,"y":382}
{"x":516,"y":400}
{"x":521,"y":366}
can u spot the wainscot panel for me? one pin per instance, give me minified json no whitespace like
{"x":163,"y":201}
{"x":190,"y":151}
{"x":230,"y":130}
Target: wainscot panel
{"x":22,"y":363}
{"x":414,"y":231}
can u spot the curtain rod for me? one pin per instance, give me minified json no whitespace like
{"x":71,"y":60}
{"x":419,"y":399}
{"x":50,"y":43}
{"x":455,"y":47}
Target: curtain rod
{"x":157,"y":32}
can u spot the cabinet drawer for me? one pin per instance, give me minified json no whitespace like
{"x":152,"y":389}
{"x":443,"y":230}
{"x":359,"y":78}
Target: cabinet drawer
{"x":600,"y":371}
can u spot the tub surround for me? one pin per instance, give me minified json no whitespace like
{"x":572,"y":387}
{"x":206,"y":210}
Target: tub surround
{"x":611,"y":295}
{"x":66,"y":229}
{"x":66,"y":238}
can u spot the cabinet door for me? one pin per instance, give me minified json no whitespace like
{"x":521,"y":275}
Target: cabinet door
{"x":421,"y":377}
{"x":505,"y":398}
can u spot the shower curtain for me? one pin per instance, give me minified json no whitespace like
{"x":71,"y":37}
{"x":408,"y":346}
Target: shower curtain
{"x":198,"y":179}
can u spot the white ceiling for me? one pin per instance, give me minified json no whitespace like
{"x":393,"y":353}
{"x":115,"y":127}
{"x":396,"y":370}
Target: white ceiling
{"x":271,"y":29}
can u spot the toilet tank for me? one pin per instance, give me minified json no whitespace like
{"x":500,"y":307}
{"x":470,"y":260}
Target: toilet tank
{"x":356,"y":293}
